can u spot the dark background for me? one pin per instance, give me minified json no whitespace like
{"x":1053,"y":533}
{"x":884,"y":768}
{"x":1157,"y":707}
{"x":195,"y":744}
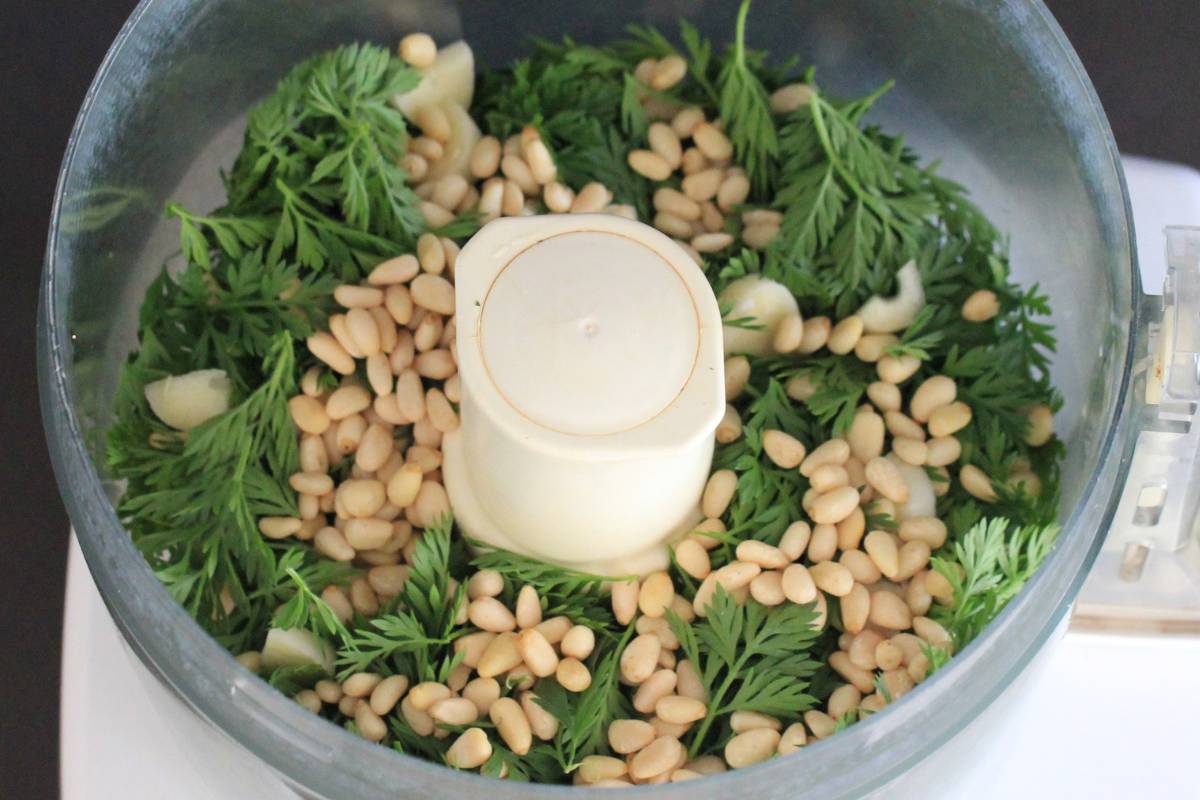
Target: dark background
{"x":1143,"y":56}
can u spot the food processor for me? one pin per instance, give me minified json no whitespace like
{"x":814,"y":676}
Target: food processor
{"x":990,"y":89}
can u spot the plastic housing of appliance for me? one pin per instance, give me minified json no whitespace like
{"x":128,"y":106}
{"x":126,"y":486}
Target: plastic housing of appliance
{"x":589,"y":350}
{"x":990,"y":88}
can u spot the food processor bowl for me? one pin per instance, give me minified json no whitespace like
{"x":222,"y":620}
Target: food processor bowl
{"x":990,"y":88}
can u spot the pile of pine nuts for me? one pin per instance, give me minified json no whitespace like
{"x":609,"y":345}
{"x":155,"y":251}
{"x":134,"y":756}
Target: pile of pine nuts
{"x":509,"y":650}
{"x":401,"y":323}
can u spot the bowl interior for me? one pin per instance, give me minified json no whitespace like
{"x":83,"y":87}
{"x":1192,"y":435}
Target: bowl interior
{"x":989,"y":89}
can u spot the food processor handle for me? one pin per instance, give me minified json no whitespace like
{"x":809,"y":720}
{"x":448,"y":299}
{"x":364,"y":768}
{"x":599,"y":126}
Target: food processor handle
{"x":1147,"y":575}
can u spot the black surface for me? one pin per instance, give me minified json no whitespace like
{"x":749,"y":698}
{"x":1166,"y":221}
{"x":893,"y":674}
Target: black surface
{"x":1143,"y":56}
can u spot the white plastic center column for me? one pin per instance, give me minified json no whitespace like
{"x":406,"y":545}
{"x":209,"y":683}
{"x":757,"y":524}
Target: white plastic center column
{"x":589,"y":351}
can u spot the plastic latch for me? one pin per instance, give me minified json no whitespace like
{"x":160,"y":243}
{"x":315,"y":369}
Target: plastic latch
{"x":1147,"y":575}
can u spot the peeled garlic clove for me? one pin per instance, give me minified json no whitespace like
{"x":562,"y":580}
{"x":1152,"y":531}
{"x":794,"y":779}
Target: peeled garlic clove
{"x":456,"y":151}
{"x":296,"y":647}
{"x":185,"y":401}
{"x":922,"y":502}
{"x":761,"y":299}
{"x":891,"y":314}
{"x":450,"y":79}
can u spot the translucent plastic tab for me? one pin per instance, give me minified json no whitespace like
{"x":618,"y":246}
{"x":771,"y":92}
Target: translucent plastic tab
{"x":1148,"y":573}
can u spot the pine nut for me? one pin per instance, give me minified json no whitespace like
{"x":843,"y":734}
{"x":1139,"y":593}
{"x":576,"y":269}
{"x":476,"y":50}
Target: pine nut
{"x":742,"y":721}
{"x":850,"y":530}
{"x":677,"y":204}
{"x":762,"y":554}
{"x":816,"y":334}
{"x":669,"y":71}
{"x":349,"y":433}
{"x":910,"y":451}
{"x":798,"y":585}
{"x":733,"y":191}
{"x":680,"y":710}
{"x":863,"y":648}
{"x":626,"y":736}
{"x":712,"y":242}
{"x":792,"y":739}
{"x":703,"y":185}
{"x":441,"y":414}
{"x":315,"y":483}
{"x":767,"y":588}
{"x":347,"y":400}
{"x":890,"y":611}
{"x":489,"y":614}
{"x":374,"y":448}
{"x":591,"y":198}
{"x":367,"y":534}
{"x":511,"y":723}
{"x":578,"y":642}
{"x":784,"y":450}
{"x":887,"y":655}
{"x":387,"y":580}
{"x":932,"y":394}
{"x":845,"y":335}
{"x":836,"y":505}
{"x":572,"y":675}
{"x":941,"y":451}
{"x":649,"y":164}
{"x":656,"y":594}
{"x":325,"y":347}
{"x":856,"y":607}
{"x":844,"y":700}
{"x":832,"y":578}
{"x":861,"y":566}
{"x":729,"y":429}
{"x":949,"y":419}
{"x":939,"y":588}
{"x":330,"y":543}
{"x":513,"y":199}
{"x":664,"y":141}
{"x":866,"y":435}
{"x":640,"y":657}
{"x":787,"y":99}
{"x":501,"y":653}
{"x":537,"y":653}
{"x":485,"y":583}
{"x":693,"y":161}
{"x":349,"y":296}
{"x":657,"y":757}
{"x":828,"y":477}
{"x":757,"y":237}
{"x":885,"y":478}
{"x":660,"y":684}
{"x":718,"y":492}
{"x":736,"y":575}
{"x":543,"y":724}
{"x":517,"y":170}
{"x":863,"y":680}
{"x":485,"y":157}
{"x":415,"y":167}
{"x":870,"y":346}
{"x":473,"y":646}
{"x":737,"y":375}
{"x":433,"y":292}
{"x":916,"y":596}
{"x":897,"y":369}
{"x":398,"y":303}
{"x":1041,"y":425}
{"x":337,"y":326}
{"x":976,"y":482}
{"x":362,"y":498}
{"x":435,"y":364}
{"x":885,"y":396}
{"x":932,"y":632}
{"x":788,"y":334}
{"x":454,"y":711}
{"x":470,"y":750}
{"x":823,"y":544}
{"x":900,"y":425}
{"x":484,"y":692}
{"x":278,"y":527}
{"x":554,"y":629}
{"x":834,"y":451}
{"x":431,"y":255}
{"x":435,"y":216}
{"x":692,"y":558}
{"x":685,"y":121}
{"x":672,"y":225}
{"x":491,"y":197}
{"x":882,"y":548}
{"x":795,"y":540}
{"x":558,"y":197}
{"x":712,"y":142}
{"x":418,"y":49}
{"x":537,"y":157}
{"x":625,"y":601}
{"x":980,"y":306}
{"x":594,"y":769}
{"x":930,"y":530}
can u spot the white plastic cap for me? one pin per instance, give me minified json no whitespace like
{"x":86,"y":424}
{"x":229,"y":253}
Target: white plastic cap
{"x":589,"y":349}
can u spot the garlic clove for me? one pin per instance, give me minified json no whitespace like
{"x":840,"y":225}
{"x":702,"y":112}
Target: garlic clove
{"x":186,"y":401}
{"x":450,"y":79}
{"x":892,"y":314}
